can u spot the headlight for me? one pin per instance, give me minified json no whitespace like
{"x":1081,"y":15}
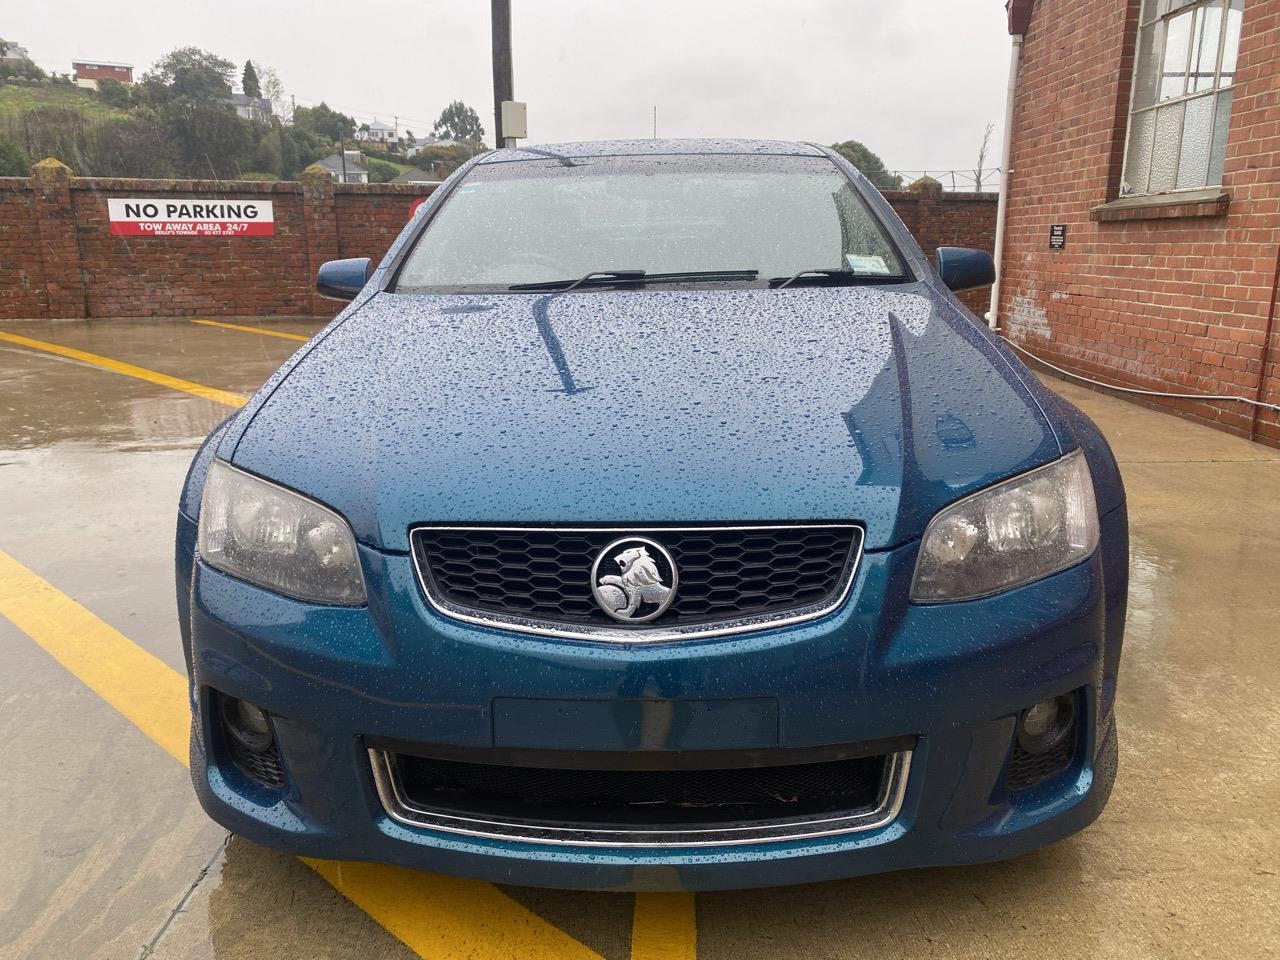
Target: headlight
{"x":1010,"y":534}
{"x":277,"y":539}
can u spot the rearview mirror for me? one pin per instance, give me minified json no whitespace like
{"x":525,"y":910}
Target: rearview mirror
{"x":343,"y":279}
{"x":963,"y":269}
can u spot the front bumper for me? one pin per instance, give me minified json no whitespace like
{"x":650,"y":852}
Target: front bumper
{"x":952,"y":678}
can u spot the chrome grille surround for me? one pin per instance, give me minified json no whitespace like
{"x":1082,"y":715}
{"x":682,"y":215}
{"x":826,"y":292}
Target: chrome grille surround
{"x":888,"y":805}
{"x":639,"y":634}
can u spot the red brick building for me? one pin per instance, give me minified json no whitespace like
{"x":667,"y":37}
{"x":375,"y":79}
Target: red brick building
{"x":1149,"y":132}
{"x":84,"y":71}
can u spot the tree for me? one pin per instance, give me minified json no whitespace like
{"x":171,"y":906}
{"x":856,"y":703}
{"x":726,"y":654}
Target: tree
{"x":294,"y":143}
{"x":868,"y":164}
{"x":269,"y":157}
{"x":211,"y":140}
{"x":249,"y":85}
{"x":325,"y":122}
{"x":273,"y":90}
{"x":458,"y":122}
{"x":192,"y":74}
{"x":114,"y":93}
{"x":982,"y":157}
{"x":13,"y":162}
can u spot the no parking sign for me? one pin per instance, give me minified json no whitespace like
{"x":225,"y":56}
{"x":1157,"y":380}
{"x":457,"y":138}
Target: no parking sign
{"x":144,"y":217}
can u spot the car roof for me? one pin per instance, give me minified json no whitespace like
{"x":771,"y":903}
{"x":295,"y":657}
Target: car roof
{"x":622,"y":148}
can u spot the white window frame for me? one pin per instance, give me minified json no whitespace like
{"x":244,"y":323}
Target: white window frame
{"x":1172,"y":9}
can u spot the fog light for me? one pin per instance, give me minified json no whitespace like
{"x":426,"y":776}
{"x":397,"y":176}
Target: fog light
{"x":1042,"y":727}
{"x":247,"y":724}
{"x":250,"y":742}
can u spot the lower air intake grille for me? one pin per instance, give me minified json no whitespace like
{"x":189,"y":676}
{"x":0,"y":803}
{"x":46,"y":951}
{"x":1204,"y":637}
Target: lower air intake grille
{"x":1027,"y":769}
{"x":642,"y":807}
{"x":262,"y":765}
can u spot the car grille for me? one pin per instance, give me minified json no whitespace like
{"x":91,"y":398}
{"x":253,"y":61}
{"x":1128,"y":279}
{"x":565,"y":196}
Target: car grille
{"x":538,"y":579}
{"x":670,"y":807}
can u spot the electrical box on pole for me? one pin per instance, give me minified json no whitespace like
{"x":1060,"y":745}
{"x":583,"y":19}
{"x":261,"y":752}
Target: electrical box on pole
{"x":515,"y":121}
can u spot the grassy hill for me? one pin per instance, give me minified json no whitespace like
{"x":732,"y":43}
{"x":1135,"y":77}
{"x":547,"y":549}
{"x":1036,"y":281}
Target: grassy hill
{"x":16,"y":99}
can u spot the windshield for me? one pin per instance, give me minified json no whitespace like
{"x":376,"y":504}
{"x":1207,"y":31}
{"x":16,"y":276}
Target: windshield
{"x":536,"y":221}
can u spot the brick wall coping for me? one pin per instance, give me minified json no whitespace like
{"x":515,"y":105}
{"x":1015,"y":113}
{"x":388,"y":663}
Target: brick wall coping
{"x":945,"y":196}
{"x":408,"y":189}
{"x":143,"y":185}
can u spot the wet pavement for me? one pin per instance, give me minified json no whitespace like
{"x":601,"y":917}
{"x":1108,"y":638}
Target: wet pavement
{"x":107,"y":854}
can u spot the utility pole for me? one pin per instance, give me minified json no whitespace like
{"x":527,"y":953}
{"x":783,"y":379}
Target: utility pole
{"x":503,"y":83}
{"x":655,"y":121}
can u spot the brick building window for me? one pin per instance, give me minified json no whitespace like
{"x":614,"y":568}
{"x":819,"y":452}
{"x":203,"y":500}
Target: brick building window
{"x":1181,"y":104}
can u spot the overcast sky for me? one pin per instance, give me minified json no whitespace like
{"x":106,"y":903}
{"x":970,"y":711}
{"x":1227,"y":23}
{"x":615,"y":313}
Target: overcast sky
{"x":916,"y":81}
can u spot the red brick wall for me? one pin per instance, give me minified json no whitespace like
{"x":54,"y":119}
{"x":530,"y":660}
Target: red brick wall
{"x":182,"y":276}
{"x":951,"y":220}
{"x":58,"y":257}
{"x":1169,"y":304}
{"x":21,"y":266}
{"x":366,"y":229}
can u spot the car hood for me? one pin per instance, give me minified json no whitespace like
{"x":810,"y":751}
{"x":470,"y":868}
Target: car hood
{"x":856,"y":403}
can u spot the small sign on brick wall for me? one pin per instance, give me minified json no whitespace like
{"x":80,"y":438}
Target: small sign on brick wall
{"x":1057,"y":236}
{"x":191,"y":218}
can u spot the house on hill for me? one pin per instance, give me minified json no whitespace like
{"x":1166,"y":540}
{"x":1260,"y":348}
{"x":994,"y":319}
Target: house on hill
{"x":250,"y":108}
{"x":414,"y":175}
{"x":381,"y":132}
{"x":87,"y":73}
{"x":422,"y":143}
{"x":346,"y":167}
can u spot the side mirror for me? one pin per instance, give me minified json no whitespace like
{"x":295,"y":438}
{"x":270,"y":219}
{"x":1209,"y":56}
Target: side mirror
{"x":343,"y":279}
{"x":964,"y":269}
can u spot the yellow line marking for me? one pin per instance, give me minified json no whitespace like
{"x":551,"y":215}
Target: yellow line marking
{"x":438,"y":917}
{"x":151,"y":694}
{"x":449,"y":916}
{"x":129,"y":370}
{"x":247,"y":329}
{"x":664,"y":927}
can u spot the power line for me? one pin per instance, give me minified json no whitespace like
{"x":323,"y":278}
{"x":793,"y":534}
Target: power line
{"x":366,"y":115}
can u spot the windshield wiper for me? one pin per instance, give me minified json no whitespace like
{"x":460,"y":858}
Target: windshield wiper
{"x":701,"y":275}
{"x":635,"y":276}
{"x":564,"y":285}
{"x":837,"y":274}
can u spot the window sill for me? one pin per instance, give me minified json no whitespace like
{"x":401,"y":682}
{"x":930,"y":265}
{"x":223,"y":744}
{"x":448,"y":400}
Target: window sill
{"x":1210,"y":202}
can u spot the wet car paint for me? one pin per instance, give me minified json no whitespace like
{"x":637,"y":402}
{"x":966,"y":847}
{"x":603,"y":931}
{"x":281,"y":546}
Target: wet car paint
{"x":748,"y":405}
